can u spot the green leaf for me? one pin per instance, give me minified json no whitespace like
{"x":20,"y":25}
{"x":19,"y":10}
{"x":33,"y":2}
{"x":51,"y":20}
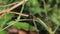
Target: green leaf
{"x":23,"y":25}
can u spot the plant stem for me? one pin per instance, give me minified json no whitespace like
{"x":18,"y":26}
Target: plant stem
{"x":56,"y":28}
{"x":45,"y":7}
{"x":51,"y":33}
{"x":46,"y":27}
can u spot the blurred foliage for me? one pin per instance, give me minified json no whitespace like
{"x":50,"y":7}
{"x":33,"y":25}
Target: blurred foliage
{"x":2,"y":32}
{"x":49,"y":13}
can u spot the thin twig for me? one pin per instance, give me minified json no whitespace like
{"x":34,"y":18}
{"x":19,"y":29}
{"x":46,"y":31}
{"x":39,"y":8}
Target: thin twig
{"x":26,"y":19}
{"x":35,"y":26}
{"x":13,"y":7}
{"x":9,"y":4}
{"x":19,"y":13}
{"x":18,"y":18}
{"x":8,"y":10}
